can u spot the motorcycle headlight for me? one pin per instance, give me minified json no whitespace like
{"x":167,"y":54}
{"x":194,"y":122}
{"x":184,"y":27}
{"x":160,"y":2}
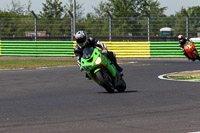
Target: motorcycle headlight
{"x":98,"y":61}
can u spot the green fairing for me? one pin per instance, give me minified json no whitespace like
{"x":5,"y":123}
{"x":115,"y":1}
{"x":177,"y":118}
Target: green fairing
{"x":90,"y":64}
{"x":110,"y":67}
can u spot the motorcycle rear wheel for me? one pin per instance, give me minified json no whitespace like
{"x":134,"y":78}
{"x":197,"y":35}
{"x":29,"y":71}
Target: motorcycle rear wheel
{"x":197,"y":56}
{"x":104,"y":80}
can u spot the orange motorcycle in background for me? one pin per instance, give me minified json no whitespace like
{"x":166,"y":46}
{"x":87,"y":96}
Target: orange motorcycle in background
{"x":191,"y":51}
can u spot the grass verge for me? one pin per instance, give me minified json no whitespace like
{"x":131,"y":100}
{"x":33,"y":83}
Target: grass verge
{"x":34,"y":63}
{"x":189,"y":76}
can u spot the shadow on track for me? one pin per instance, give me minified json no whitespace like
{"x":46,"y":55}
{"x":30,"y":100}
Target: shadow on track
{"x":130,"y":91}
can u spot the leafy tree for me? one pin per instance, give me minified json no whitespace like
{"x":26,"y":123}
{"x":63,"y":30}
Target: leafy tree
{"x":28,"y":11}
{"x":79,"y":10}
{"x":128,"y":18}
{"x":52,"y":9}
{"x":96,"y":26}
{"x":80,"y":21}
{"x":98,"y":21}
{"x":100,"y":10}
{"x":51,"y":17}
{"x":194,"y":19}
{"x":16,"y":7}
{"x":130,"y":15}
{"x":14,"y":24}
{"x":153,"y":8}
{"x":157,"y":17}
{"x":180,"y":23}
{"x":16,"y":19}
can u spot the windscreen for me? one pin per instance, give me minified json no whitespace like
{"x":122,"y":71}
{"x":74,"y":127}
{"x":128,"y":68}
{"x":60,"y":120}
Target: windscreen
{"x":87,"y":52}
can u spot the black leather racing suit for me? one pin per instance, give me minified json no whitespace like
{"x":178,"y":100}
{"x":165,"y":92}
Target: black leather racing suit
{"x":91,"y":42}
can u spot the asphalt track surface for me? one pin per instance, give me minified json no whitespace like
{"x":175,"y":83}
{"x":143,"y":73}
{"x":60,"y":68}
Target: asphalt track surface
{"x":60,"y":100}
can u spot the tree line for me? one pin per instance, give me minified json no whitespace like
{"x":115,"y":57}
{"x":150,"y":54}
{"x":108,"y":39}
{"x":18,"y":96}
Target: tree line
{"x":129,"y":18}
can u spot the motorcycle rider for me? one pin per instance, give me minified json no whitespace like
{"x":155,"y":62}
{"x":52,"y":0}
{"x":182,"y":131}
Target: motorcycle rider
{"x":83,"y":41}
{"x":182,"y":42}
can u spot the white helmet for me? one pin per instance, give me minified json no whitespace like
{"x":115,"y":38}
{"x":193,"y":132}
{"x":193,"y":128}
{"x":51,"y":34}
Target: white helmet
{"x":182,"y":39}
{"x":81,"y":38}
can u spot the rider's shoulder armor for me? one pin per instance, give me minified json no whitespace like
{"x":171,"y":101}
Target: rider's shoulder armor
{"x":91,"y":42}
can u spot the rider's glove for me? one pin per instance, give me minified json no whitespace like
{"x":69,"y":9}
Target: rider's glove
{"x":79,"y":64}
{"x":81,"y":69}
{"x":104,"y":52}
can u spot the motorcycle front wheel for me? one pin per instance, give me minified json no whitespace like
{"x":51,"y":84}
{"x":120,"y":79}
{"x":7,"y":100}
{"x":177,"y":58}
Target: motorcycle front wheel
{"x":105,"y":80}
{"x":122,"y":87}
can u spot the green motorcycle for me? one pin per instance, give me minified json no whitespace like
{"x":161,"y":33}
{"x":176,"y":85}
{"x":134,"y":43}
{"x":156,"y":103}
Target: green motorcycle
{"x":102,"y":70}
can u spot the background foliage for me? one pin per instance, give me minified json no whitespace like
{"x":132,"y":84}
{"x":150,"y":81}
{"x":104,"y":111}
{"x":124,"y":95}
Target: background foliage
{"x":129,"y":18}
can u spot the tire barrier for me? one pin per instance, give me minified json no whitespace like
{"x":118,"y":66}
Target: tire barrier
{"x":0,"y":47}
{"x":168,"y":49}
{"x":37,"y":48}
{"x":66,"y":48}
{"x":129,"y":49}
{"x":165,"y":49}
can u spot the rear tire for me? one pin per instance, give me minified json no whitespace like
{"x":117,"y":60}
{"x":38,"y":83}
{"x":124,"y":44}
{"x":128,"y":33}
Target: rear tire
{"x":105,"y":80}
{"x":197,"y":55}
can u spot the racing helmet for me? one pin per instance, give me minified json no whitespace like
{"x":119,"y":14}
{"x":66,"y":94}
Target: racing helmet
{"x":81,"y":38}
{"x":182,"y":39}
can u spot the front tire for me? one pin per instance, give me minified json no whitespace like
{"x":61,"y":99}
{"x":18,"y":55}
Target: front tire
{"x":105,"y":80}
{"x":122,"y":87}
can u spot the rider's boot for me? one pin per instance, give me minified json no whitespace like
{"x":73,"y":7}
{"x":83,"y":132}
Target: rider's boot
{"x":112,"y":57}
{"x":186,"y":55}
{"x":119,"y":69}
{"x":87,"y":76}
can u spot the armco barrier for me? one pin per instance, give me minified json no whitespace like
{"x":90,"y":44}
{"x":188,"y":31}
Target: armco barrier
{"x":37,"y":48}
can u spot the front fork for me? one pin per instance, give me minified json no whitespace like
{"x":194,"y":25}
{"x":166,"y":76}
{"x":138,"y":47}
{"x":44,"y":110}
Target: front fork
{"x":110,"y":67}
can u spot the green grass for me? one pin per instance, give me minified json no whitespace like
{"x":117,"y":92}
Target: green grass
{"x":34,"y":63}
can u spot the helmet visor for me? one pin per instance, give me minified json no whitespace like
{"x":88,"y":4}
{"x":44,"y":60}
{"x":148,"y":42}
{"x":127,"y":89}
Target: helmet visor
{"x":81,"y":40}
